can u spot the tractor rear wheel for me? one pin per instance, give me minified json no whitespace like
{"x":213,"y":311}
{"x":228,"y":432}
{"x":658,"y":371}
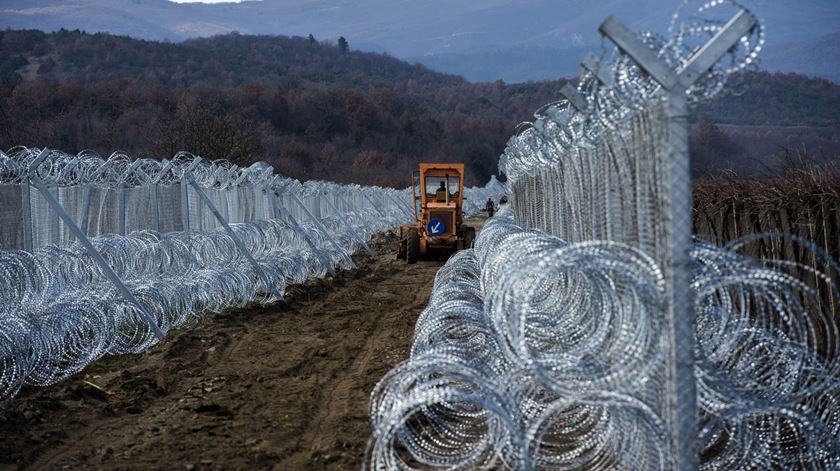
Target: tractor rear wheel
{"x":469,"y":237}
{"x":412,"y":246}
{"x":401,"y":246}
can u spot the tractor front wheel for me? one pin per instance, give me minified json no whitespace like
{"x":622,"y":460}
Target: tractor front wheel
{"x":412,"y":246}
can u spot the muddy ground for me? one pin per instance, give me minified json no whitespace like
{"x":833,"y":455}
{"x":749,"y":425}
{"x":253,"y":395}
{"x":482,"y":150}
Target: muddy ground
{"x":284,"y":386}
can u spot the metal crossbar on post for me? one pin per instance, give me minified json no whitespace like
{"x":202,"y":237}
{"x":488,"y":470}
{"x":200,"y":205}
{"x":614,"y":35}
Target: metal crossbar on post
{"x":644,"y":56}
{"x":575,"y":98}
{"x":592,"y":64}
{"x":701,"y":61}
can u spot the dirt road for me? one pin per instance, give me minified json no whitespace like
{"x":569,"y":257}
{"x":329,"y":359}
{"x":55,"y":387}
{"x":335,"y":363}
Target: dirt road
{"x":284,"y":386}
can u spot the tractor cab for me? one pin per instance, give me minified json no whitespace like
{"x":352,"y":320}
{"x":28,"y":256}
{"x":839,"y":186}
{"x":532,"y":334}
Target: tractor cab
{"x":437,"y":192}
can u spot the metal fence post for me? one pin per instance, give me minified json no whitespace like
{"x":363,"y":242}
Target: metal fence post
{"x":55,"y":227}
{"x":574,"y":96}
{"x":185,"y":206}
{"x":86,"y":194}
{"x":26,"y":206}
{"x":683,"y":400}
{"x":153,"y":196}
{"x":320,"y":225}
{"x":64,"y":171}
{"x":236,"y":240}
{"x":258,"y":195}
{"x":83,"y":225}
{"x":154,"y":189}
{"x":185,"y":194}
{"x":281,"y":208}
{"x":121,"y":208}
{"x":350,"y":228}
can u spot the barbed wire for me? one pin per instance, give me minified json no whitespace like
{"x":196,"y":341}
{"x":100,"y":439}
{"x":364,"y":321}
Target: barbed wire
{"x":537,"y":353}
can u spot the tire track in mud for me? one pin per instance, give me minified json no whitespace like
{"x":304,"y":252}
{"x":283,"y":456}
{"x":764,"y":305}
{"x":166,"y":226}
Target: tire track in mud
{"x":345,"y":401}
{"x":284,"y":386}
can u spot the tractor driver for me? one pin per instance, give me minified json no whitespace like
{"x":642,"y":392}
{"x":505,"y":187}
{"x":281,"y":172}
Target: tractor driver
{"x":440,"y":194}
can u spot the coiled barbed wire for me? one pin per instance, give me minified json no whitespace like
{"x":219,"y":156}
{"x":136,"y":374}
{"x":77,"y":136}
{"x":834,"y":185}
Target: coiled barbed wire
{"x":533,"y":352}
{"x":95,"y":191}
{"x":60,"y":313}
{"x":768,"y":370}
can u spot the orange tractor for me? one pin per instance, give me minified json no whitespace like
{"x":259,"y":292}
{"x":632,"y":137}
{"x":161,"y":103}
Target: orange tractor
{"x":439,"y":227}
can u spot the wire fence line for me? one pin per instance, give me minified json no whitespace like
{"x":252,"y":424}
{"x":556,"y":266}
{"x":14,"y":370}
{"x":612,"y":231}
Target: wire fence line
{"x":586,"y":330}
{"x":120,"y":195}
{"x":105,"y":256}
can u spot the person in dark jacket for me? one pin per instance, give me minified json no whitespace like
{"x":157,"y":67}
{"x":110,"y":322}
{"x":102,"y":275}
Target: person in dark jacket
{"x":490,"y":207}
{"x":440,"y":194}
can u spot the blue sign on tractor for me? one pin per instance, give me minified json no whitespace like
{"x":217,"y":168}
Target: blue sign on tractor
{"x":436,"y":227}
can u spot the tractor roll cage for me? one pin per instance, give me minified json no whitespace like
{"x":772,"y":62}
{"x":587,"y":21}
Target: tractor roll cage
{"x":444,"y":171}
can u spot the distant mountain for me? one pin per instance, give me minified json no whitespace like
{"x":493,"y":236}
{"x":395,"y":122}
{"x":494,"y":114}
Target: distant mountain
{"x":225,"y":60}
{"x":510,"y":65}
{"x":775,"y":100}
{"x":472,"y":38}
{"x":818,"y":57}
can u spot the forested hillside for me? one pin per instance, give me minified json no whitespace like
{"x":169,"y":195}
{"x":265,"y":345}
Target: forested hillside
{"x":775,"y":100}
{"x":311,"y":109}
